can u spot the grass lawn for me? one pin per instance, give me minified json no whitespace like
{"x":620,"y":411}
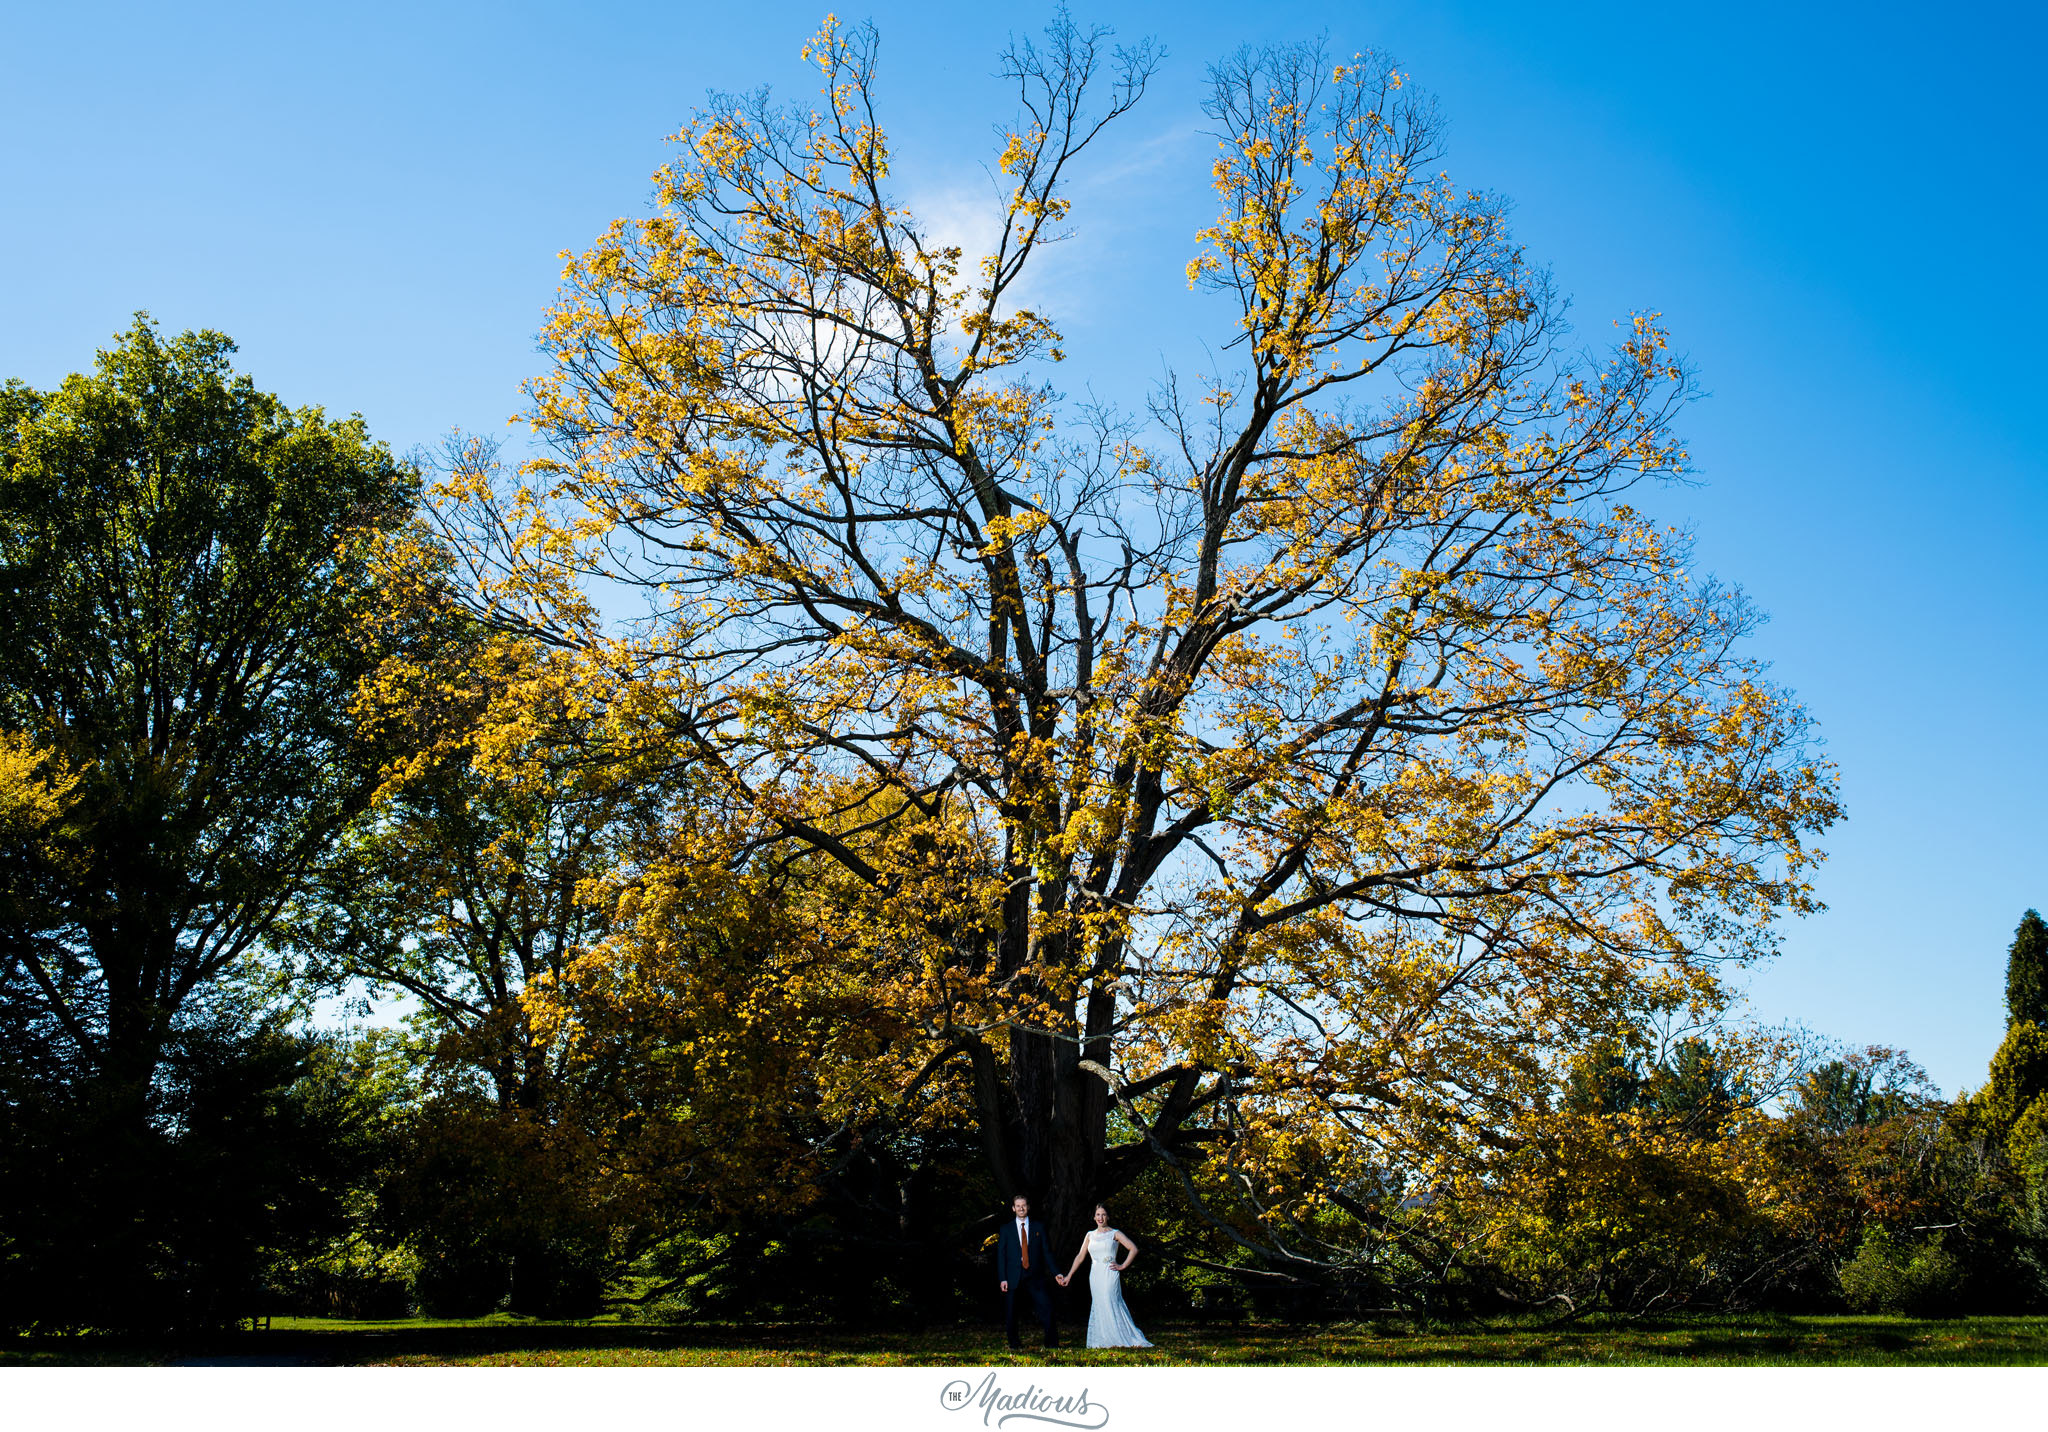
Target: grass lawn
{"x":504,"y":1341}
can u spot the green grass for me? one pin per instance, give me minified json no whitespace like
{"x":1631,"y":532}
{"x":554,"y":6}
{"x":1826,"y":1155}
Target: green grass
{"x":503,"y":1341}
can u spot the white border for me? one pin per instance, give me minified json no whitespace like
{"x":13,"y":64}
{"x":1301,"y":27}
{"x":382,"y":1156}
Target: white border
{"x":1248,"y":1399}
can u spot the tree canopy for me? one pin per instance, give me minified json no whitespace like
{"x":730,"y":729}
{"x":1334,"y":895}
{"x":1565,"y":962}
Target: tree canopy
{"x":1298,"y":768}
{"x":181,"y":555}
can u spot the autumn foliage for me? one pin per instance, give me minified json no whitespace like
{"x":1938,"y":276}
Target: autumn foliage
{"x":1309,"y":763}
{"x":844,"y":781}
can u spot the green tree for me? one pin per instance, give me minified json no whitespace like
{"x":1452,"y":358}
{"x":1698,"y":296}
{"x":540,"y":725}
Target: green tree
{"x":1606,"y":1079}
{"x":463,"y":886}
{"x":182,"y":557}
{"x":2019,"y":1080}
{"x":261,"y":1140}
{"x":1695,"y":1088}
{"x":2026,"y":972}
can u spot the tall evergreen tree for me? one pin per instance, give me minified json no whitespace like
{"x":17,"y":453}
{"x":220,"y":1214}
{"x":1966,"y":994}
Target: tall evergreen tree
{"x":2026,"y":972}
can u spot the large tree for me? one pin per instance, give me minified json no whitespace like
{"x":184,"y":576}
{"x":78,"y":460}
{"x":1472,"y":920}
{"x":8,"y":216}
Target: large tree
{"x":1271,"y":783}
{"x":182,"y":557}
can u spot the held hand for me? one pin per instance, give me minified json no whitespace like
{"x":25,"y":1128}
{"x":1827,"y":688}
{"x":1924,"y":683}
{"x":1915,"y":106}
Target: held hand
{"x":1061,"y":1279}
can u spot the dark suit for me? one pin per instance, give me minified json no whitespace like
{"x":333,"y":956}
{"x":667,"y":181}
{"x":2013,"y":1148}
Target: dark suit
{"x":1034,"y":1282}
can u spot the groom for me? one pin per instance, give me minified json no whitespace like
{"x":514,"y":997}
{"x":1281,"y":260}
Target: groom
{"x":1024,"y":1265}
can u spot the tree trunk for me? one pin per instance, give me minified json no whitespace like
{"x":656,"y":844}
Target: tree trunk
{"x":1063,"y":1132}
{"x":137,"y":1025}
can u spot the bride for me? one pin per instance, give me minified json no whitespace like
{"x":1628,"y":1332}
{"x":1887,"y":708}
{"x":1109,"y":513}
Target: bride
{"x":1109,"y":1321}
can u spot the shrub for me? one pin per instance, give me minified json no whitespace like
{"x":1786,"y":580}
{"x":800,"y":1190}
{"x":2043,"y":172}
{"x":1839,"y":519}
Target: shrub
{"x":351,"y":1278}
{"x":1920,"y":1279}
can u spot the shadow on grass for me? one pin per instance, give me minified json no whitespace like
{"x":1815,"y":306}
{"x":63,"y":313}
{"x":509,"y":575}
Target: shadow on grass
{"x":1724,"y":1340}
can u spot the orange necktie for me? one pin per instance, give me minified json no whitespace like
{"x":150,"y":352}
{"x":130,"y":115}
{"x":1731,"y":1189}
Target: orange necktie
{"x":1024,"y":1243}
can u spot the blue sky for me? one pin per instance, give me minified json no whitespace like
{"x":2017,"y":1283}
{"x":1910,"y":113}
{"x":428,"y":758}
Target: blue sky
{"x":1838,"y":209}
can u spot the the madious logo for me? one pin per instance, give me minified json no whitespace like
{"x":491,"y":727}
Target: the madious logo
{"x":1032,"y":1403}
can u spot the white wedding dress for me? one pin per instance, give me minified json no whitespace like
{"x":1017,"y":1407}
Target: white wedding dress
{"x":1109,"y":1321}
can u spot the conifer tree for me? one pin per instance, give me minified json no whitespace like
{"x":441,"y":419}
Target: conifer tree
{"x":2026,"y":972}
